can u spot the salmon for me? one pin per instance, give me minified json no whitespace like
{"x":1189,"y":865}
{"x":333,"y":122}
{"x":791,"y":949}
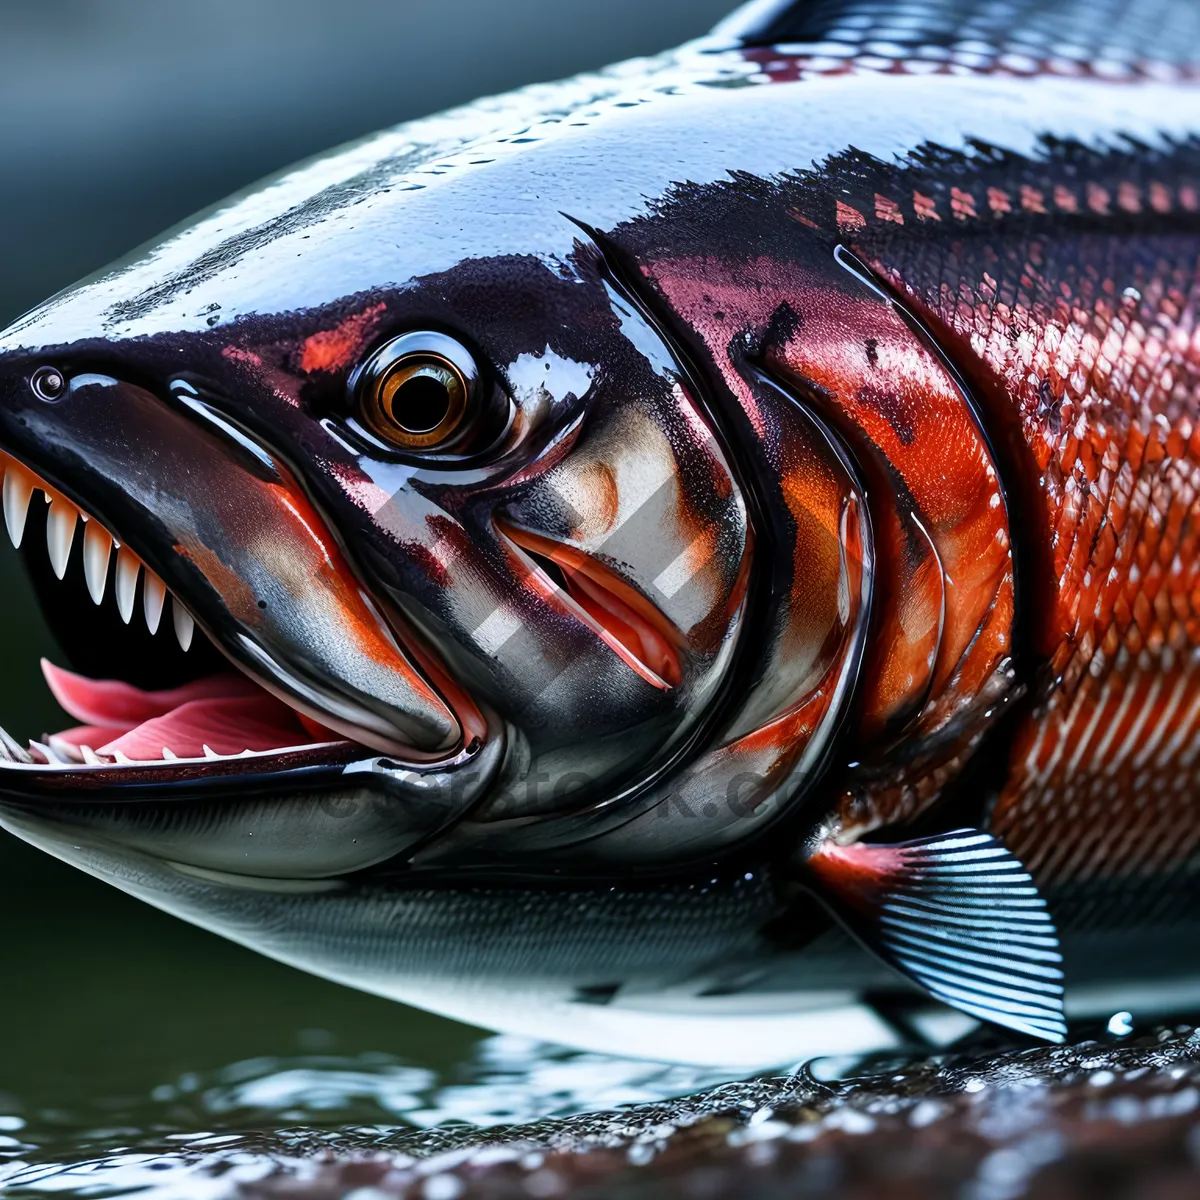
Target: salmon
{"x":698,"y":559}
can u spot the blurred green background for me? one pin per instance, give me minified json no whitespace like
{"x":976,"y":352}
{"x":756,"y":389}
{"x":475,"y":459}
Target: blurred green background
{"x":117,"y":119}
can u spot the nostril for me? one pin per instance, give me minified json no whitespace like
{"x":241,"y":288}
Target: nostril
{"x":48,"y":383}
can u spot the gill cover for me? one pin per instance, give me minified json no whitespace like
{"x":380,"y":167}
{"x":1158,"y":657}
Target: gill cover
{"x":880,"y":597}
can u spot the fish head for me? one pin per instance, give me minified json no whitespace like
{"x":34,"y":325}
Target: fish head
{"x":449,"y":517}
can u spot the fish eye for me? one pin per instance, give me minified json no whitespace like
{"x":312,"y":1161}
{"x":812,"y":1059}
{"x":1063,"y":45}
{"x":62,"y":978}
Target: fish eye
{"x":418,"y":392}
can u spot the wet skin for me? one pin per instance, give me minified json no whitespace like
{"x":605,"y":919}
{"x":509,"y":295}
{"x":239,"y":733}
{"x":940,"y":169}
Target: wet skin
{"x":720,"y":575}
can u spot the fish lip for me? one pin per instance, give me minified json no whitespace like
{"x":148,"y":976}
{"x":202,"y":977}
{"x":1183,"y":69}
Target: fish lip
{"x":276,"y":762}
{"x":302,"y":766}
{"x":34,"y":780}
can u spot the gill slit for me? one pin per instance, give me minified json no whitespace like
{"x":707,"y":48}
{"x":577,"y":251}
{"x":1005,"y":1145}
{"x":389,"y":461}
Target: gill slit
{"x":724,"y":414}
{"x":839,"y":746}
{"x":1029,"y":579}
{"x":623,"y":280}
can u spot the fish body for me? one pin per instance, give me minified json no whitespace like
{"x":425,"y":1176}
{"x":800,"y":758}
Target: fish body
{"x":690,"y":542}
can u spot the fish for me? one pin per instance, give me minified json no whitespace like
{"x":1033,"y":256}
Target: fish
{"x":698,"y":560}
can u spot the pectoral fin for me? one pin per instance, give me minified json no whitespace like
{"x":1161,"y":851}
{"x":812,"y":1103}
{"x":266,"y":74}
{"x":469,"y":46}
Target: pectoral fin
{"x":959,"y":915}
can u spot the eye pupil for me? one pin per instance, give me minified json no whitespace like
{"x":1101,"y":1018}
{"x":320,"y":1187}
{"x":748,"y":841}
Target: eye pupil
{"x":420,"y":403}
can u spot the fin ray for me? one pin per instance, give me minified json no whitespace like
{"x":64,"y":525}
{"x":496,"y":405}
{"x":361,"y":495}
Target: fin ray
{"x":935,"y":964}
{"x":982,"y":927}
{"x":960,"y":915}
{"x":933,"y":952}
{"x":950,"y":941}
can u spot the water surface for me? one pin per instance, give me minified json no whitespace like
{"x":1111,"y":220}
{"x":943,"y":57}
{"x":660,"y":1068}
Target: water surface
{"x":143,"y":1053}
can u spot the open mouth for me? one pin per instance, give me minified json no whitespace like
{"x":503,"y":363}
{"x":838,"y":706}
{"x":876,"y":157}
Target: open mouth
{"x":157,"y":692}
{"x":152,"y":697}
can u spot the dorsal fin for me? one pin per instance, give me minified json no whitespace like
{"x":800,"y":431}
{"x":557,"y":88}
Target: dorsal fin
{"x":1166,"y":31}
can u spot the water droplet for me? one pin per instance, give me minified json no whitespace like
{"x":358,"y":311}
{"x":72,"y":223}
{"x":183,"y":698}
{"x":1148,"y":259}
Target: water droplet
{"x":1120,"y":1024}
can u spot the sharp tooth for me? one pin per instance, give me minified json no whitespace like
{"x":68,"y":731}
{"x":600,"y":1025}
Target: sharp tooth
{"x":169,"y":755}
{"x":52,"y":757}
{"x":18,"y":491}
{"x":10,"y":751}
{"x":97,"y":550}
{"x":184,"y":625}
{"x":64,"y":750}
{"x":209,"y":752}
{"x":154,"y":594}
{"x":60,"y":533}
{"x":128,"y":567}
{"x":91,"y":757}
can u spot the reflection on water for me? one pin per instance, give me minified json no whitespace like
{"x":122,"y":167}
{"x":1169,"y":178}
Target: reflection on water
{"x":190,"y":1138}
{"x":119,"y":1026}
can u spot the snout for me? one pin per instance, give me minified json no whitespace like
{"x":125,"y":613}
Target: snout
{"x":168,"y":488}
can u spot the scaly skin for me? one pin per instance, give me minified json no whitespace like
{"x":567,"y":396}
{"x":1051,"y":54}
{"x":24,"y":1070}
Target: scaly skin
{"x":870,"y":471}
{"x":1071,"y":303}
{"x":1063,"y":290}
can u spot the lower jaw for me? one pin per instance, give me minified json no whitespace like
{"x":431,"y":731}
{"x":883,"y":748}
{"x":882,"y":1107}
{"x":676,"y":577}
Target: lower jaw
{"x":277,"y":818}
{"x":313,"y":769}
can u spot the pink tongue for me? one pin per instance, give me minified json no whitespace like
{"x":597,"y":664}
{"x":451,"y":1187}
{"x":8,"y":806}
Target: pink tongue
{"x":115,"y":705}
{"x":226,"y":713}
{"x":226,"y":726}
